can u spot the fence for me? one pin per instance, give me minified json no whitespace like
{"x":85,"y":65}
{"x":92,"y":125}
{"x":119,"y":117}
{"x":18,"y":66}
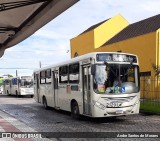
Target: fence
{"x":150,"y":92}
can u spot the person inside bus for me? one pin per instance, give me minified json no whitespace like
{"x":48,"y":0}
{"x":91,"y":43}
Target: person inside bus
{"x":109,"y":79}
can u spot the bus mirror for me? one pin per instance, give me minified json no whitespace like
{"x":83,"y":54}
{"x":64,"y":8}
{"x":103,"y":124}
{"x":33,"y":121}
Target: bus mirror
{"x":93,"y":69}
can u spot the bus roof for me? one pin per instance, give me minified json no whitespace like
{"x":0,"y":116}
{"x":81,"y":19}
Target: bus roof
{"x":82,"y":57}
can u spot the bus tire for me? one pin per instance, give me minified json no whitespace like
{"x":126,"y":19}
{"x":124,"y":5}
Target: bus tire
{"x":75,"y":110}
{"x":17,"y":94}
{"x":45,"y":103}
{"x":31,"y":96}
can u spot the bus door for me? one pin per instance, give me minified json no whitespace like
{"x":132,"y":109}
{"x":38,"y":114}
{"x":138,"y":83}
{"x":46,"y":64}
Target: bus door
{"x":9,"y":86}
{"x":37,"y":88}
{"x":12,"y":86}
{"x":86,"y":74}
{"x":55,"y":77}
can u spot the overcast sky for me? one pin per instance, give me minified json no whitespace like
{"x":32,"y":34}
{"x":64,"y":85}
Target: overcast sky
{"x":50,"y":44}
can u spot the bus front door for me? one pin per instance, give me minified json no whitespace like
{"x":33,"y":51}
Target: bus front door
{"x":86,"y":74}
{"x":37,"y":88}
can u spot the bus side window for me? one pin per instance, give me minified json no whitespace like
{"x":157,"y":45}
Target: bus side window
{"x":34,"y":78}
{"x":6,"y":82}
{"x":48,"y":76}
{"x":42,"y":77}
{"x":74,"y":73}
{"x":63,"y":74}
{"x":14,"y":81}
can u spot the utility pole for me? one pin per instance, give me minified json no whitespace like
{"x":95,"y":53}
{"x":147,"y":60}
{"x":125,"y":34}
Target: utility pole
{"x":16,"y":73}
{"x":40,"y":65}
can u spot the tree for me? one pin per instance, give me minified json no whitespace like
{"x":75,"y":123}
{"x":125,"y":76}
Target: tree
{"x":9,"y":75}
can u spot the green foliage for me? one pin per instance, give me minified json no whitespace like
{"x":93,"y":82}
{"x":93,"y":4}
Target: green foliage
{"x":9,"y":75}
{"x":1,"y":81}
{"x":150,"y":106}
{"x":156,"y":69}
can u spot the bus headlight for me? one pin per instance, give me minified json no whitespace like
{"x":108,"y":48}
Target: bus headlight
{"x":136,"y":103}
{"x":99,"y":105}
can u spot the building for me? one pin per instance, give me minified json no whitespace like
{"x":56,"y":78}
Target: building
{"x":116,"y":34}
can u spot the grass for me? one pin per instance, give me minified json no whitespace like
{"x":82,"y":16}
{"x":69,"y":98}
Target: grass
{"x":150,"y":106}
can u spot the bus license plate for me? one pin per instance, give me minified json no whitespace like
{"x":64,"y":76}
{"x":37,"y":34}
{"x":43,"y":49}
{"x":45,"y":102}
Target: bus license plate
{"x":119,"y":112}
{"x":114,"y":104}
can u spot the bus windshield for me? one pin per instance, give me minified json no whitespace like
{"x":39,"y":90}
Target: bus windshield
{"x":116,"y":78}
{"x":26,"y":83}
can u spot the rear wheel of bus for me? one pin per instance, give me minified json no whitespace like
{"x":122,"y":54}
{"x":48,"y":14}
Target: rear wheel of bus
{"x":31,"y":96}
{"x":17,"y":94}
{"x":45,"y":103}
{"x":75,"y":110}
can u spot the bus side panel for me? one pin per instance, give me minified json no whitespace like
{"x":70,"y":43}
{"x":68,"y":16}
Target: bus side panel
{"x":77,"y":95}
{"x":63,"y":97}
{"x":42,"y":92}
{"x":66,"y":94}
{"x":14,"y":86}
{"x":49,"y":95}
{"x":14,"y":89}
{"x":7,"y":89}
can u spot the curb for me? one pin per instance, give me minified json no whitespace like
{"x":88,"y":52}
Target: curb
{"x":149,"y":112}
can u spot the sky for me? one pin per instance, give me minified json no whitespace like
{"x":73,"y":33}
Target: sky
{"x":51,"y":44}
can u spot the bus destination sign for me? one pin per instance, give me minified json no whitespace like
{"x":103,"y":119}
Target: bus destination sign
{"x":116,"y":58}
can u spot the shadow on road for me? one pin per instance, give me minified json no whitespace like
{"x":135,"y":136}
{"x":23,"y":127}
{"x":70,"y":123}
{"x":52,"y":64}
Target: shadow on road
{"x":14,"y":96}
{"x":89,"y":119}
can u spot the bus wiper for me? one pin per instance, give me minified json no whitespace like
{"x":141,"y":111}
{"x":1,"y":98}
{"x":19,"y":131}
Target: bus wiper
{"x":107,"y":65}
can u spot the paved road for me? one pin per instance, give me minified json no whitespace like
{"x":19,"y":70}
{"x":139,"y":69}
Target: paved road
{"x":35,"y":116}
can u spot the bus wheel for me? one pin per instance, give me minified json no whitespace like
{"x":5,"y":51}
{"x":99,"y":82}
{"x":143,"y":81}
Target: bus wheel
{"x":45,"y":103}
{"x":17,"y":94}
{"x":31,"y":96}
{"x":75,"y":110}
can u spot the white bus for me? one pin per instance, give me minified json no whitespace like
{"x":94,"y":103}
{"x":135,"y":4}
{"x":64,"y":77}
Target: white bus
{"x":19,"y":86}
{"x":99,"y":84}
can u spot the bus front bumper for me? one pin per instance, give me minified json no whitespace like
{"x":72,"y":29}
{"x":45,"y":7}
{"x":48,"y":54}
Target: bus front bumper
{"x":120,"y":111}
